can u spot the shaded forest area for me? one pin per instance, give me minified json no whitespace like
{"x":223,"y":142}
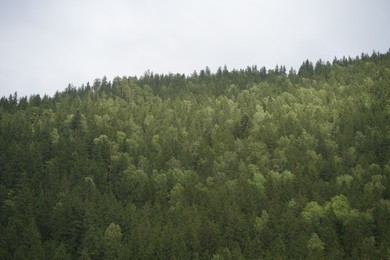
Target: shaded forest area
{"x":241,"y":164}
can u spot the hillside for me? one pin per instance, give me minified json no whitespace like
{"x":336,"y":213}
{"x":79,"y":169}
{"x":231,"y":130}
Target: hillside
{"x":237,"y":164}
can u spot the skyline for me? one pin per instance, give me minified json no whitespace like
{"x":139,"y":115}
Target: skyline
{"x":45,"y":47}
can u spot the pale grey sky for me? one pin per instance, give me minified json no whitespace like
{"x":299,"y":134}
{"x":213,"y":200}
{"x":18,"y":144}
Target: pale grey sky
{"x":47,"y":44}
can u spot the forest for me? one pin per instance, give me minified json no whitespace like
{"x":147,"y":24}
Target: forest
{"x":252,"y":163}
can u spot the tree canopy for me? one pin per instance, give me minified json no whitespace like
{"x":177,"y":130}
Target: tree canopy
{"x":237,"y":164}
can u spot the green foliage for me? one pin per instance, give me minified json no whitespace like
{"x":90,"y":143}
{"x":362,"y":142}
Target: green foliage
{"x":262,"y":221}
{"x":313,"y":213}
{"x":241,"y":164}
{"x":315,"y":247}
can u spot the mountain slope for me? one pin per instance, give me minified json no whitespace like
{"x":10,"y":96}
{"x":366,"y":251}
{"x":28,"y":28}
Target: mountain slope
{"x":234,"y":164}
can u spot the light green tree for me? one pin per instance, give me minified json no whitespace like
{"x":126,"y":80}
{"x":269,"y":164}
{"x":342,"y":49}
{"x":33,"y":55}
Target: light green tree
{"x":315,"y":247}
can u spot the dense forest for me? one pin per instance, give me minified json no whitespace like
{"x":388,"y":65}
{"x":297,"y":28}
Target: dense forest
{"x":253,"y":163}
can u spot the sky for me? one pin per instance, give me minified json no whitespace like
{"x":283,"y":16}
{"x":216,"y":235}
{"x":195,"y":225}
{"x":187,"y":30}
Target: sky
{"x":47,"y":44}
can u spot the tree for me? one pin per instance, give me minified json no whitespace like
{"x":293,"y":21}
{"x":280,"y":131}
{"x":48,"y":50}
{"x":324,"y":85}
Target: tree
{"x":30,"y":245}
{"x":76,"y":121}
{"x":61,"y":253}
{"x":112,"y":242}
{"x":306,"y":69}
{"x":315,"y":247}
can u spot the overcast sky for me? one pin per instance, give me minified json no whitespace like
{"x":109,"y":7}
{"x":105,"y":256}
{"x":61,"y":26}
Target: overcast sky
{"x":47,"y":44}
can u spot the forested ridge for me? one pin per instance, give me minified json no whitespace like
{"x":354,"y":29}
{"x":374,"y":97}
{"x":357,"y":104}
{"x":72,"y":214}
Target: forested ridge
{"x":236,"y":164}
